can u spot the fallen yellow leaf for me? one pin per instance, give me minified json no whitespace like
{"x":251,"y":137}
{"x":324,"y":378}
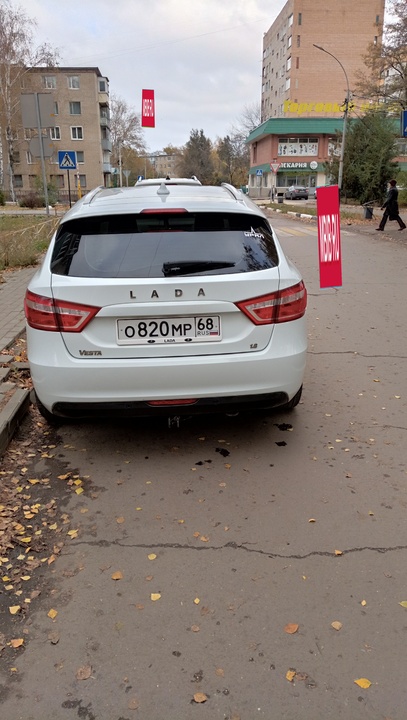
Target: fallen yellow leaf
{"x":403,"y":603}
{"x":363,"y":683}
{"x":152,"y":556}
{"x":52,"y":614}
{"x":120,"y":520}
{"x":84,"y":672}
{"x":197,"y":601}
{"x":14,"y":609}
{"x":312,"y":520}
{"x":18,"y":642}
{"x":117,"y":575}
{"x":220,"y":672}
{"x":363,"y":603}
{"x":195,"y":628}
{"x":204,"y":538}
{"x":290,"y":675}
{"x":155,"y":596}
{"x":336,"y":625}
{"x":200,"y":697}
{"x":291,"y":628}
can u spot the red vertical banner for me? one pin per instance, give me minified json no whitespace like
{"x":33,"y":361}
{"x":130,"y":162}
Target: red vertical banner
{"x":329,"y":237}
{"x":147,"y":108}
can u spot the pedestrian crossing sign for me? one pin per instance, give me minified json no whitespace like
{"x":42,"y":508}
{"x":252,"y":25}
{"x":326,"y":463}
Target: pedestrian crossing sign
{"x":67,"y":159}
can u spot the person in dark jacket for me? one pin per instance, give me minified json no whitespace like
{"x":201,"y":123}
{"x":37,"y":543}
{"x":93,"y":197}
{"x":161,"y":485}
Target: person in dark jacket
{"x":391,"y":207}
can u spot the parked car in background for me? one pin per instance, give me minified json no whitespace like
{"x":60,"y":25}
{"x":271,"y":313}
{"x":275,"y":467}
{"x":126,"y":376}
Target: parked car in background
{"x":296,"y":192}
{"x":173,"y":299}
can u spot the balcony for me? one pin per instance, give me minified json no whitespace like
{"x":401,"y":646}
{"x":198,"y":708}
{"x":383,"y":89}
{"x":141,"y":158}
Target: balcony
{"x":104,"y":121}
{"x":106,"y":145}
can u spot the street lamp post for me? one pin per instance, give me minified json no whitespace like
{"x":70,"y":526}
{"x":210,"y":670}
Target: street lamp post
{"x":345,"y":116}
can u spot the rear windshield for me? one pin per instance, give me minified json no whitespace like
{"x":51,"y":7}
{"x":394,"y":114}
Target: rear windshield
{"x":163,"y":245}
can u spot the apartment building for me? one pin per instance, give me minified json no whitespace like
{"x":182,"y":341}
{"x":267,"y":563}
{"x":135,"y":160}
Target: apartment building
{"x":300,"y":80}
{"x":82,"y":124}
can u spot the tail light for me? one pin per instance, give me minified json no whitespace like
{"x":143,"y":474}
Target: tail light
{"x":44,"y":313}
{"x":282,"y":306}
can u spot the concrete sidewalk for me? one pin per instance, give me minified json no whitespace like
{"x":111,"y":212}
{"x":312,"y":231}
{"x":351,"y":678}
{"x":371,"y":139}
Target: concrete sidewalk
{"x":14,"y":401}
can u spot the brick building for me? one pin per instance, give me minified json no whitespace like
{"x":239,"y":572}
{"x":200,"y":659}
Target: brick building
{"x":304,"y":89}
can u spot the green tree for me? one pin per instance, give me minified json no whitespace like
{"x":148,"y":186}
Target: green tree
{"x":197,"y":158}
{"x":17,"y":54}
{"x":233,"y":156}
{"x":369,"y":157}
{"x":385,"y":78}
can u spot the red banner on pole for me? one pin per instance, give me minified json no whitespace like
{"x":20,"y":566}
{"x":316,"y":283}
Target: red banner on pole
{"x":329,"y":237}
{"x":147,"y":108}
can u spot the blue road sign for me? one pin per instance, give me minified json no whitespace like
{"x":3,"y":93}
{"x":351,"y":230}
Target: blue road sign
{"x":404,"y":123}
{"x":140,"y":177}
{"x":259,"y":172}
{"x":67,"y":159}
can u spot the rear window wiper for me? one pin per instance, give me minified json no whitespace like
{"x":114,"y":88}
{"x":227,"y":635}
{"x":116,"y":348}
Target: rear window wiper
{"x":187,"y":267}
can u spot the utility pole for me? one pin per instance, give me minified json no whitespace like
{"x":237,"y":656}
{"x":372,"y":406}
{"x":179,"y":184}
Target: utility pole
{"x":345,"y":116}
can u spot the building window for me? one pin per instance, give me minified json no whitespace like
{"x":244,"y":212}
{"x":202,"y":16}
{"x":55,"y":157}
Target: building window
{"x":58,"y":181}
{"x":102,"y":86}
{"x":29,"y":157}
{"x":75,"y":108}
{"x":298,"y":40}
{"x":297,"y":63}
{"x":49,"y":82}
{"x":80,"y":157}
{"x":289,"y":41}
{"x":18,"y":181}
{"x":16,"y":157}
{"x":377,"y":19}
{"x":56,"y":108}
{"x":73,"y":82}
{"x":298,"y":146}
{"x":290,"y":20}
{"x":82,"y":180}
{"x":289,"y":63}
{"x":55,"y":133}
{"x":77,"y":133}
{"x":299,"y":18}
{"x":375,"y":40}
{"x":287,"y":84}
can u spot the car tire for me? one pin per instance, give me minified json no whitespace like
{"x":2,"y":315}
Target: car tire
{"x":293,"y":402}
{"x":51,"y":419}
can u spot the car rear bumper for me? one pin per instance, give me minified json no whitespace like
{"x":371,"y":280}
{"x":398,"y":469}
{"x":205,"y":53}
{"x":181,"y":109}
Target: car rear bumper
{"x":73,"y":387}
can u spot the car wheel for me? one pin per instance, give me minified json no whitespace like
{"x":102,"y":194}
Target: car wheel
{"x":293,"y":402}
{"x":51,"y":419}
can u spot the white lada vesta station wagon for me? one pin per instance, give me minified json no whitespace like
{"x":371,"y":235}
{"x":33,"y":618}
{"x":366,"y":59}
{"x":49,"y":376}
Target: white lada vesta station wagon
{"x":168,"y":299}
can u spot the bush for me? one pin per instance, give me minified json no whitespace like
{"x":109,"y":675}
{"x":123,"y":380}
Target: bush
{"x":2,"y":198}
{"x":32,"y":200}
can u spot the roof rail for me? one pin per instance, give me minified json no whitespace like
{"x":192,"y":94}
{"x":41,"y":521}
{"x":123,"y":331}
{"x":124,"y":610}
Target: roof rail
{"x":91,"y":194}
{"x":233,"y":191}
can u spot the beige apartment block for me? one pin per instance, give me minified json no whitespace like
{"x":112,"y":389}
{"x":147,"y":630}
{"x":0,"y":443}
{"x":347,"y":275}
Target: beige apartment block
{"x":82,"y":124}
{"x":300,"y":80}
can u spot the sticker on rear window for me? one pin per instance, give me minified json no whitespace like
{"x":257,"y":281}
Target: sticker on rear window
{"x":252,"y":233}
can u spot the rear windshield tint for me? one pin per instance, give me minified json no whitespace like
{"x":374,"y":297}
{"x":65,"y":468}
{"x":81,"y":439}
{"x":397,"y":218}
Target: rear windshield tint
{"x":163,"y":245}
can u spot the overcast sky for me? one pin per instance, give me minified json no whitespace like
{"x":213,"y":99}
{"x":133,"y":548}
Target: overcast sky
{"x":203,"y":58}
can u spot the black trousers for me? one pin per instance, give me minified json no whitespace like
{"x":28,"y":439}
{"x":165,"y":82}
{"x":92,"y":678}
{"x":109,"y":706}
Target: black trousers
{"x":385,"y":217}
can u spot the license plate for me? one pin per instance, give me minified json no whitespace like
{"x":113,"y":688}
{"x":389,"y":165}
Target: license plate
{"x":173,"y":330}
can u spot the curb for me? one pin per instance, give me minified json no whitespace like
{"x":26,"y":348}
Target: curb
{"x":12,"y":415}
{"x":16,"y":405}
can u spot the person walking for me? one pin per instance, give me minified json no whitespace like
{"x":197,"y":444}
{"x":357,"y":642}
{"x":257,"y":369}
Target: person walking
{"x":391,"y":207}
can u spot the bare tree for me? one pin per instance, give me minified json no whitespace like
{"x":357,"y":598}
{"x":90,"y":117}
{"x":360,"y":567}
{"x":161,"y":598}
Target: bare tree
{"x":385,"y":79}
{"x":247,"y":121}
{"x":125,"y":129}
{"x":18,"y":54}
